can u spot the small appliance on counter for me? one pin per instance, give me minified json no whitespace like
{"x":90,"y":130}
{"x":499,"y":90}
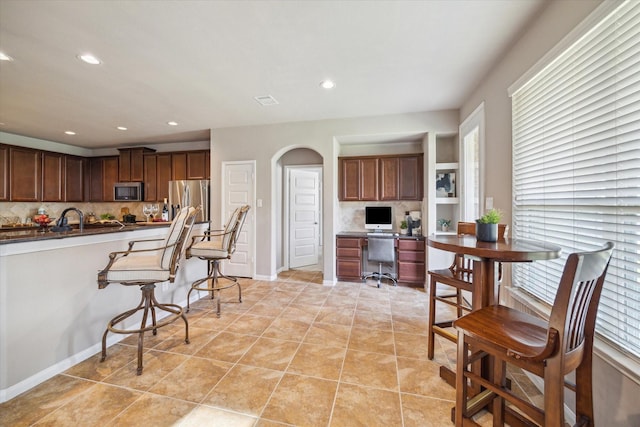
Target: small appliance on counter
{"x":127,"y":217}
{"x":414,"y":220}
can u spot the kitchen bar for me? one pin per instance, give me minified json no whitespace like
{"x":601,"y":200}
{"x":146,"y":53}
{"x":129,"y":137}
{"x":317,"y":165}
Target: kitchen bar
{"x":52,"y":314}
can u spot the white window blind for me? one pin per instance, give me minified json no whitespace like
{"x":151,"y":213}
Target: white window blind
{"x":576,"y":167}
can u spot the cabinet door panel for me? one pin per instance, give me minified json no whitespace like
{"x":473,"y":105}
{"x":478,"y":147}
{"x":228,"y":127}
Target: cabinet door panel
{"x":369,"y":179}
{"x":410,"y":178}
{"x":179,"y":166}
{"x":150,"y":178}
{"x":350,"y":179}
{"x":164,"y":175}
{"x":411,"y":272}
{"x":389,"y":171}
{"x":4,"y":173}
{"x":95,"y":180}
{"x":109,"y":177}
{"x":25,"y":174}
{"x":136,"y":174}
{"x":197,"y":165}
{"x":124,"y":166}
{"x":74,"y":171}
{"x":52,"y":177}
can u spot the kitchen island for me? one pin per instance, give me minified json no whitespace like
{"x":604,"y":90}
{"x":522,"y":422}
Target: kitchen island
{"x":52,"y":314}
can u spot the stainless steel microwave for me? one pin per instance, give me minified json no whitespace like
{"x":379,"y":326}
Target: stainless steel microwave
{"x":127,"y":191}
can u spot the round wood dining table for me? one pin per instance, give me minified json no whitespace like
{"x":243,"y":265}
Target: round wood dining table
{"x":486,"y":254}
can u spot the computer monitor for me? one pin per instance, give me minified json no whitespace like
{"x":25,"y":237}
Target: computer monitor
{"x":378,"y":218}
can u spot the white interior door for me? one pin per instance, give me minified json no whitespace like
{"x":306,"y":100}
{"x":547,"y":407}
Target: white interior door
{"x":238,"y":189}
{"x":304,"y":217}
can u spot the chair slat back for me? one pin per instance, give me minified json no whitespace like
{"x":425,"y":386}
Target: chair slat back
{"x":229,"y":227}
{"x":176,"y":232}
{"x":233,"y":237}
{"x":576,"y":303}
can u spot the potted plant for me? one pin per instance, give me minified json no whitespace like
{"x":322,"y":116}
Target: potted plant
{"x":444,"y":224}
{"x":403,"y":227}
{"x":487,"y":226}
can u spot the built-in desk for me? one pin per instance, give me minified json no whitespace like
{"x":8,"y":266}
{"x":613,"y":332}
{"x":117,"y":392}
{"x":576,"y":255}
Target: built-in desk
{"x":351,"y":255}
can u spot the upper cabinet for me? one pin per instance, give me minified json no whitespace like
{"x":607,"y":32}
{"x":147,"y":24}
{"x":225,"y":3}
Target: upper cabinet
{"x":4,"y":173}
{"x":30,"y":175}
{"x":381,"y":178}
{"x":131,"y":164}
{"x":358,"y":179}
{"x":25,"y":174}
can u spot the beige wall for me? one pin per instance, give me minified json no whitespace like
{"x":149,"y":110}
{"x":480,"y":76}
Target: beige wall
{"x":266,"y":144}
{"x":615,"y":395}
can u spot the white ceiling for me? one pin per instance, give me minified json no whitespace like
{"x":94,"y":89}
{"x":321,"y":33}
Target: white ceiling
{"x":201,"y":63}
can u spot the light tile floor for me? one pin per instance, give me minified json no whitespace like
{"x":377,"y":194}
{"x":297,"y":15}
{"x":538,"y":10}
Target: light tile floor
{"x":293,"y":352}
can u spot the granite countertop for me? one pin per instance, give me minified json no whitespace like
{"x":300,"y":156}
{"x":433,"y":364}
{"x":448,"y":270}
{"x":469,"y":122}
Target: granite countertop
{"x":389,"y":234}
{"x":32,"y":234}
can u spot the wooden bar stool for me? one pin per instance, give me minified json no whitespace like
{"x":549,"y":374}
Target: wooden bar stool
{"x":550,"y":350}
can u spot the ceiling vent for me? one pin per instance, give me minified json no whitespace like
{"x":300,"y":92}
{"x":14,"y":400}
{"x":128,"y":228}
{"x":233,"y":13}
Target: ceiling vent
{"x":266,"y":100}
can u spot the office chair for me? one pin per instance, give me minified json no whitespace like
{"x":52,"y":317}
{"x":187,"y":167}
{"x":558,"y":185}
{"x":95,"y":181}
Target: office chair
{"x":381,"y":250}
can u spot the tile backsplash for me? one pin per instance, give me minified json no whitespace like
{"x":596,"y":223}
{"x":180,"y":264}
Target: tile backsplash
{"x":17,"y":211}
{"x":351,"y":214}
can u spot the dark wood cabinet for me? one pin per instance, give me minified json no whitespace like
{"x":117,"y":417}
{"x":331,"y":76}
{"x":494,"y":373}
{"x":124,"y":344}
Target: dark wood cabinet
{"x":25,"y":174}
{"x":4,"y":173}
{"x":157,"y":174}
{"x":380,"y":178}
{"x":149,"y":178}
{"x":389,"y":171}
{"x":103,"y":172}
{"x":179,"y":166}
{"x":411,"y":261}
{"x":95,"y":179}
{"x":131,"y":164}
{"x":358,"y":179}
{"x":53,"y":177}
{"x":410,"y":178}
{"x":109,"y":177}
{"x":198,"y":165}
{"x":349,"y":258}
{"x":74,"y":171}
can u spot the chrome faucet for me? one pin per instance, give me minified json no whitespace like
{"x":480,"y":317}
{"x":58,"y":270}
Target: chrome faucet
{"x":61,"y":223}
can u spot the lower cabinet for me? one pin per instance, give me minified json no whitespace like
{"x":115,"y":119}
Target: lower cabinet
{"x":411,"y":261}
{"x":349,"y":258}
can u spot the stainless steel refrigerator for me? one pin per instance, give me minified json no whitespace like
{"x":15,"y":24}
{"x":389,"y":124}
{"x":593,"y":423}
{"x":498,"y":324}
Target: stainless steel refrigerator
{"x":189,"y":193}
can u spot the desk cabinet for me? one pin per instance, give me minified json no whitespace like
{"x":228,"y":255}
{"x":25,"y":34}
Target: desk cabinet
{"x":411,"y":261}
{"x":349,"y":258}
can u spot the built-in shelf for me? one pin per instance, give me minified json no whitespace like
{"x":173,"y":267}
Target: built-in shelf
{"x":447,"y":200}
{"x":446,"y":166}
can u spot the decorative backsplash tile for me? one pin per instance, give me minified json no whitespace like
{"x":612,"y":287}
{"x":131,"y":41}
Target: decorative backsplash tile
{"x":11,"y":212}
{"x":351,"y":214}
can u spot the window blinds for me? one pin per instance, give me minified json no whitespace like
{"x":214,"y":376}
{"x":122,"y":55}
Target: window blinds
{"x":576,"y":167}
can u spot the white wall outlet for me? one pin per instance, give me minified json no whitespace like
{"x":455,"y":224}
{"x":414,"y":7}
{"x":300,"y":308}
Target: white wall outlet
{"x":488,"y":203}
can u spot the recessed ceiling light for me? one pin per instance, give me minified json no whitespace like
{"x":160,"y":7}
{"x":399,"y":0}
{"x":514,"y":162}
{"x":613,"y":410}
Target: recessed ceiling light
{"x":69,"y":132}
{"x":121,"y":128}
{"x":5,"y":57}
{"x":327,"y":84}
{"x":89,"y":59}
{"x":172,"y":123}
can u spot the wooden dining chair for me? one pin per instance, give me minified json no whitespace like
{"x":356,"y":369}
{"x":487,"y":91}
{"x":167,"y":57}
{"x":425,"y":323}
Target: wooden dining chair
{"x":550,"y":350}
{"x":457,"y":278}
